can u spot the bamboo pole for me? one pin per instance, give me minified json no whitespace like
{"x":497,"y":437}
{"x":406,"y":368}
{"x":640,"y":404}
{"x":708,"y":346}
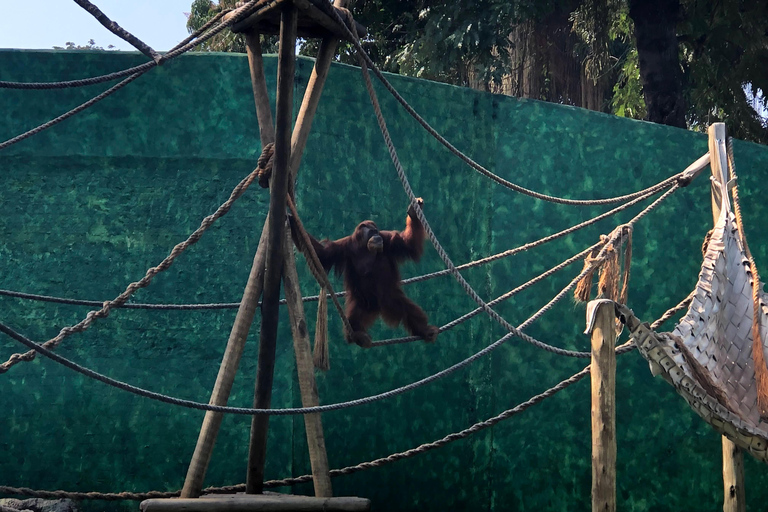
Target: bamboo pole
{"x":734,"y":499}
{"x":274,"y":262}
{"x":313,"y":425}
{"x":603,"y":376}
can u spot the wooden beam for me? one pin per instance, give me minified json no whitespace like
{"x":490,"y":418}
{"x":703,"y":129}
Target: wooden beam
{"x":734,"y":499}
{"x":270,"y":308}
{"x":261,"y":502}
{"x":305,"y":369}
{"x":603,"y":376}
{"x":259,"y":86}
{"x":193,"y":484}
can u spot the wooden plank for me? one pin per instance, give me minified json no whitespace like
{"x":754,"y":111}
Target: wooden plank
{"x":305,"y":368}
{"x":270,"y":307}
{"x":259,"y":86}
{"x":256,"y":502}
{"x":603,"y":376}
{"x":312,"y":21}
{"x":201,"y":457}
{"x":734,"y":496}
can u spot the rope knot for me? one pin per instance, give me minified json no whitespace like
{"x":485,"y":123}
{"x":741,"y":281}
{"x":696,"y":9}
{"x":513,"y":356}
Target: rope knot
{"x":683,"y":180}
{"x":264,"y":165}
{"x":605,"y":258}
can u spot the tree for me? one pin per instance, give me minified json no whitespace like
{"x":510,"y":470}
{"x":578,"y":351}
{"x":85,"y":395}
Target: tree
{"x":90,"y":45}
{"x":677,"y":62}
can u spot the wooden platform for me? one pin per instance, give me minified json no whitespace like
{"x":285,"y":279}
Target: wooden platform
{"x":312,"y":21}
{"x":256,"y":502}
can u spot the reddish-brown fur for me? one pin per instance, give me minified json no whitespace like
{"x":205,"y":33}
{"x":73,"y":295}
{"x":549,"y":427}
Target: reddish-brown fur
{"x":372,"y":279}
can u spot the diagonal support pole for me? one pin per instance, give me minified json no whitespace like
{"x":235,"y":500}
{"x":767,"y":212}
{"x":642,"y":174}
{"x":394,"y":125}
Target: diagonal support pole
{"x":274,"y":263}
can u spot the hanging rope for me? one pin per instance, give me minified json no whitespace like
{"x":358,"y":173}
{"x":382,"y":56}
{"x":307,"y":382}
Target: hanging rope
{"x":312,"y":298}
{"x":139,"y":70}
{"x":622,"y":349}
{"x":82,"y":82}
{"x":758,"y":357}
{"x":366,"y":62}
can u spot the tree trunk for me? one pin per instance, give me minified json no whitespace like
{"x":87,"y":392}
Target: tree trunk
{"x":657,"y":49}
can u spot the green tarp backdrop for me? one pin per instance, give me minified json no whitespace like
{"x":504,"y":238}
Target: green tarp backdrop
{"x":87,"y":206}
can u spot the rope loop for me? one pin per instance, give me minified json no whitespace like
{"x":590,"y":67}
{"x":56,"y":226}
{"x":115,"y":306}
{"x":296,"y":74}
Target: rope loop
{"x":264,"y":165}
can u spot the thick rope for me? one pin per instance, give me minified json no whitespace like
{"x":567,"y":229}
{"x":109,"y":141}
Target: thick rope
{"x":110,"y":76}
{"x":367,"y":62}
{"x":314,"y":298}
{"x":143,"y":282}
{"x":515,"y":291}
{"x":420,"y":214}
{"x":118,"y":30}
{"x":626,"y":347}
{"x":316,"y":267}
{"x":137,"y":72}
{"x":71,"y":113}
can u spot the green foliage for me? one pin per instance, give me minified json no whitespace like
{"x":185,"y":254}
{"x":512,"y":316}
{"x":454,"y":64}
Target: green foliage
{"x":90,"y":45}
{"x":200,"y":13}
{"x":725,"y":48}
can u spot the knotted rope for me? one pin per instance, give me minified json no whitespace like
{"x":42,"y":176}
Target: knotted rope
{"x":264,"y":164}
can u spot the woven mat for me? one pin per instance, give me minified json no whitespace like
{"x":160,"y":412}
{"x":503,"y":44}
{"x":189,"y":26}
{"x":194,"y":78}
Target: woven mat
{"x":714,"y":370}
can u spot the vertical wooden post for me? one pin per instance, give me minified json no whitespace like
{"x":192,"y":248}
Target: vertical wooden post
{"x":304,"y":367}
{"x":733,"y":458}
{"x":193,"y":484}
{"x":274,"y":263}
{"x":733,"y":478}
{"x":603,"y":375}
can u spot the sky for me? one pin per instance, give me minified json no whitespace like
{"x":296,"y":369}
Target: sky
{"x":159,"y":23}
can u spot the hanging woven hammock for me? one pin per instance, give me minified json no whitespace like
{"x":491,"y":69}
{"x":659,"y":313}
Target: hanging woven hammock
{"x":708,"y":356}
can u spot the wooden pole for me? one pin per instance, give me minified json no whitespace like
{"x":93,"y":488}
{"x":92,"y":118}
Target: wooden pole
{"x":309,"y":397}
{"x":274,"y":262}
{"x":603,"y":375}
{"x":209,"y":431}
{"x":193,"y":484}
{"x":733,"y":478}
{"x":259,"y":85}
{"x":309,"y":104}
{"x":733,"y":457}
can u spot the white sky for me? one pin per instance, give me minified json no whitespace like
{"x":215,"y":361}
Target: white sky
{"x":43,"y":24}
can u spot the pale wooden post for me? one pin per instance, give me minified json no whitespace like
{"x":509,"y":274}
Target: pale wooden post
{"x":313,"y":425}
{"x":733,"y":458}
{"x":602,"y":325}
{"x":274,"y":262}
